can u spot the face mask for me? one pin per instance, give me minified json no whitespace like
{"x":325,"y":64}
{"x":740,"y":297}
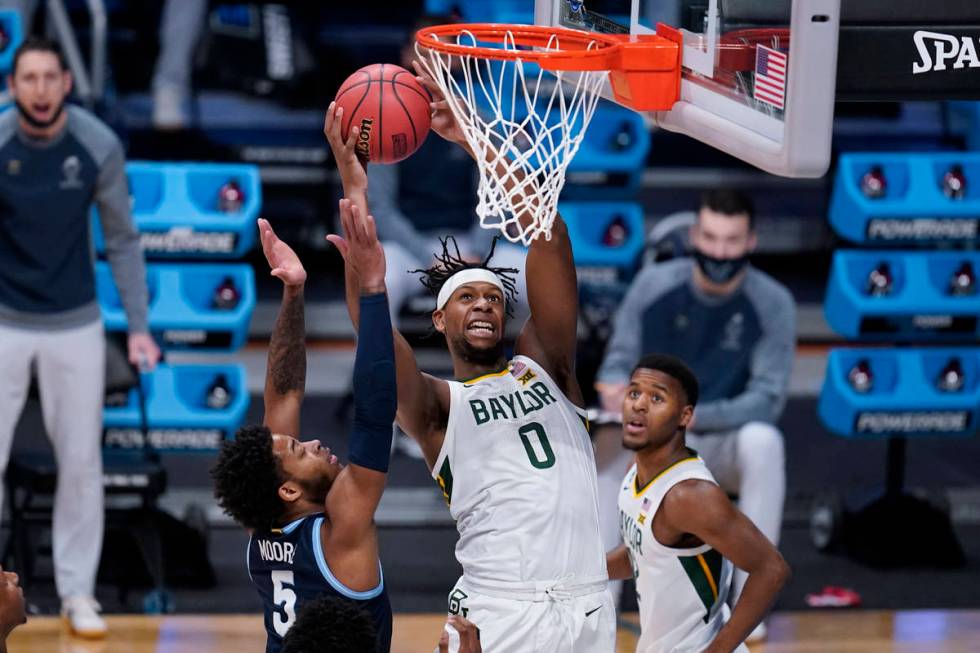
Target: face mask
{"x":720,"y":270}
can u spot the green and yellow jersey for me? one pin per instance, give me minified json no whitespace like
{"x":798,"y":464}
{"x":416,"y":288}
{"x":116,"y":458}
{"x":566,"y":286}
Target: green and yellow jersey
{"x":518,"y":471}
{"x":682,"y":593}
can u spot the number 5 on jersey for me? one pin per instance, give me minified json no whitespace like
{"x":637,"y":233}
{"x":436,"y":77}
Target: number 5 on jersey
{"x":285,"y":599}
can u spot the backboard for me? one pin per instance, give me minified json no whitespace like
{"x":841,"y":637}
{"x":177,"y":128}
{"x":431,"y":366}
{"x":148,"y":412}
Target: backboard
{"x":758,"y":76}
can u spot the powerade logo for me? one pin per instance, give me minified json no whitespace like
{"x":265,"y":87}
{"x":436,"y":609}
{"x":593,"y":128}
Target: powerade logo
{"x":126,"y":480}
{"x":126,"y":438}
{"x":184,"y":240}
{"x":932,"y":322}
{"x":939,"y":421}
{"x":938,"y":51}
{"x":193,"y":338}
{"x":923,"y":229}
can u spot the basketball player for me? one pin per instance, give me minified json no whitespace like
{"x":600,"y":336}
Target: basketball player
{"x":506,"y":440}
{"x":681,"y":532}
{"x":311,"y":519}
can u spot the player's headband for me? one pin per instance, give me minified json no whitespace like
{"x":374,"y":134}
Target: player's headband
{"x":463,"y":277}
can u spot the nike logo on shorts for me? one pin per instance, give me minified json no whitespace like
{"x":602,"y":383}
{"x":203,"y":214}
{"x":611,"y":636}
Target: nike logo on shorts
{"x":591,"y":612}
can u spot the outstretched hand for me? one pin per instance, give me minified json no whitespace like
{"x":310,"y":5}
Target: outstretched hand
{"x":285,"y":265}
{"x":443,"y":121}
{"x":360,"y":247}
{"x":353,"y":175}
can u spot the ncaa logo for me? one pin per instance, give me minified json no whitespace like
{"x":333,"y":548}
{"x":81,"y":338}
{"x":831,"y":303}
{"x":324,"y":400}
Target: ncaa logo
{"x":71,"y":168}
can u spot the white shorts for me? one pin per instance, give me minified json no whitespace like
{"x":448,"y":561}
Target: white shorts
{"x":549,"y":623}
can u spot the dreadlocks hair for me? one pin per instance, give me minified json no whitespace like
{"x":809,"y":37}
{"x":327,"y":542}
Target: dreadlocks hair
{"x":449,"y":263}
{"x":247,"y":476}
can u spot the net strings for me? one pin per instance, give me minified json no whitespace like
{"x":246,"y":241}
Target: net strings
{"x":523,"y":128}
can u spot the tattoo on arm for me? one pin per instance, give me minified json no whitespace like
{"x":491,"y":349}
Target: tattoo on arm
{"x":287,"y":347}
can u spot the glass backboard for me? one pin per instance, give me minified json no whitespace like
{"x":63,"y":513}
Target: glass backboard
{"x":758,"y":76}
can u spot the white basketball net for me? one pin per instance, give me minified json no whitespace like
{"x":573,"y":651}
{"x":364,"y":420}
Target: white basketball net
{"x":523,"y":127}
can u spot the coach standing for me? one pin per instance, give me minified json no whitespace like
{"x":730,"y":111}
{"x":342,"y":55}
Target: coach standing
{"x":55,"y":160}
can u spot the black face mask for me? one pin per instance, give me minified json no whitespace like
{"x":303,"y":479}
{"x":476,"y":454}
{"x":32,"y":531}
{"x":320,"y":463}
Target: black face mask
{"x":720,"y":270}
{"x":34,"y":122}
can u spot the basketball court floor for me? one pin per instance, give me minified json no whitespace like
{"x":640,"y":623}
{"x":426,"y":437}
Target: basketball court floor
{"x":850,"y":632}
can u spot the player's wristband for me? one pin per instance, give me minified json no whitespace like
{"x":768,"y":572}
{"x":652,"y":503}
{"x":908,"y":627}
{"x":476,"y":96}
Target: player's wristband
{"x":375,"y":391}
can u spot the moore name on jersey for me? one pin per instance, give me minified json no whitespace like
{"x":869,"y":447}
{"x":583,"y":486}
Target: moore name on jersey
{"x":272,"y":551}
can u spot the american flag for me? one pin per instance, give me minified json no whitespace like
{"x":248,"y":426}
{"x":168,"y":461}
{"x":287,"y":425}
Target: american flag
{"x":770,"y":76}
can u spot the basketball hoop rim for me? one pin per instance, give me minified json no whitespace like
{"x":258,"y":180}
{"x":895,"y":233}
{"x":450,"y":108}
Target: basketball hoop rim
{"x":576,"y":49}
{"x":644,"y":70}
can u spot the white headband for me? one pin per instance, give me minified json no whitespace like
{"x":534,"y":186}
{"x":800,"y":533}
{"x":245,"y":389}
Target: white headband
{"x":464,"y":277}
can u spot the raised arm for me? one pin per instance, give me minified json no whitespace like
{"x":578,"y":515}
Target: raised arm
{"x":423,"y":401}
{"x":285,"y":374}
{"x":552,"y":294}
{"x":356,"y":492}
{"x":704,"y":510}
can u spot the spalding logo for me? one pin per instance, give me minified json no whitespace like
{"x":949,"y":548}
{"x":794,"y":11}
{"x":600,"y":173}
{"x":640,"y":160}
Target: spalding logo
{"x":363,"y":147}
{"x":961,"y":51}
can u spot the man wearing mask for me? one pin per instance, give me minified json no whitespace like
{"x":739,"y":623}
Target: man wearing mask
{"x":735,"y":326}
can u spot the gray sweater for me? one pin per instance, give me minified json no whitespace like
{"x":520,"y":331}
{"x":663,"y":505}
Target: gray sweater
{"x":741,"y":346}
{"x":47,"y":277}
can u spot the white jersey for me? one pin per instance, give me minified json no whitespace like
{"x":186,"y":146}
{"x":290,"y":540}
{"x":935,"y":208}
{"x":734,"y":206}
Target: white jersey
{"x":518,"y":471}
{"x":682,"y":593}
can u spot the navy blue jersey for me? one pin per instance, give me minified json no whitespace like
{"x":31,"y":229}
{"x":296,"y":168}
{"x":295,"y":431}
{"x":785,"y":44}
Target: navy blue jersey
{"x":287,"y":566}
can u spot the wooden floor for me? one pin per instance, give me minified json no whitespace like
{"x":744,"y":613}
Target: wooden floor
{"x":823,"y":632}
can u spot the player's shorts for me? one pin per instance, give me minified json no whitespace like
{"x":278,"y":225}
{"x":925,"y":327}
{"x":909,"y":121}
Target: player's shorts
{"x":545,"y":618}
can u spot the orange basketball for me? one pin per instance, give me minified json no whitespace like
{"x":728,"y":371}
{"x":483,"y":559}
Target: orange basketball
{"x":391,"y":109}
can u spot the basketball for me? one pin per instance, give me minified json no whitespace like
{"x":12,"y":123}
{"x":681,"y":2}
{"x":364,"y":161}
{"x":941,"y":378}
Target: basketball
{"x":391,"y":109}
